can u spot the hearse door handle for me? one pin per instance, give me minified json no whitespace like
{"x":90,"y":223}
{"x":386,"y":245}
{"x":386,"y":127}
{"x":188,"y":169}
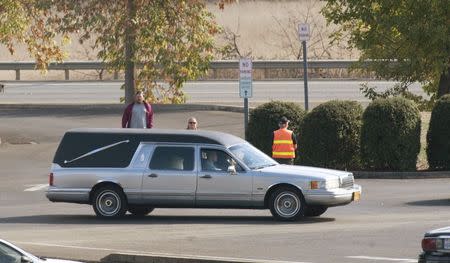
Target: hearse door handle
{"x":206,"y":176}
{"x":152,"y":175}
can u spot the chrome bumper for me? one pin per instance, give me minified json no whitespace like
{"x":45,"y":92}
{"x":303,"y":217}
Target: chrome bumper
{"x":64,"y":195}
{"x":333,"y":197}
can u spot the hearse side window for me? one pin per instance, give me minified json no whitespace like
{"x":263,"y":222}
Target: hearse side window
{"x":143,"y":156}
{"x":173,"y":158}
{"x":217,"y":160}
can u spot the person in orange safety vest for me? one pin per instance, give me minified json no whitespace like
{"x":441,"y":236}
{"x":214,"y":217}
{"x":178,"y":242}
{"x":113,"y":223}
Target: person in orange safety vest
{"x":284,"y":143}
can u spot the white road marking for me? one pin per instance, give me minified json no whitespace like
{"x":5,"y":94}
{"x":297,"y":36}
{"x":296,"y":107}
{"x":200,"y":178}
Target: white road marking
{"x":36,"y":187}
{"x":405,"y":260}
{"x":160,"y":254}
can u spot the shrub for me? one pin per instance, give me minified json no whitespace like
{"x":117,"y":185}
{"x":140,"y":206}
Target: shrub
{"x":438,"y":136}
{"x":330,"y":135}
{"x":264,"y":119}
{"x":390,"y":135}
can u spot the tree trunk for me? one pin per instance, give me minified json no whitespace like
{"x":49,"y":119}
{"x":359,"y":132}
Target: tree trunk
{"x":129,"y":53}
{"x":444,"y":83}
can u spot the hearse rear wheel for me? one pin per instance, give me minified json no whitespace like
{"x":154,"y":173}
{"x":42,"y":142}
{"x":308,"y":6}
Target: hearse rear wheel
{"x":287,"y":204}
{"x":140,"y":210}
{"x":110,"y":202}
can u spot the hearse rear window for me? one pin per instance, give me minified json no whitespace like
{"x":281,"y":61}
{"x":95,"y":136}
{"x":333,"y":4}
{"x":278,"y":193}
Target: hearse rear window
{"x":96,"y":150}
{"x":173,"y":158}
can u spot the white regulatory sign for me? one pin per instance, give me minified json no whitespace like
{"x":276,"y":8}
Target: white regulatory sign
{"x":245,"y":78}
{"x":303,"y":32}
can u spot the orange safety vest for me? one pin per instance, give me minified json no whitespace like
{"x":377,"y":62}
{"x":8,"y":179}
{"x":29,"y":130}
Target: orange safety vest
{"x":283,"y":146}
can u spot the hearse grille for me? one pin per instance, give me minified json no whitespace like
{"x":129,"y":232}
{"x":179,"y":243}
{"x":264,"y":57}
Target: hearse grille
{"x":347,"y":182}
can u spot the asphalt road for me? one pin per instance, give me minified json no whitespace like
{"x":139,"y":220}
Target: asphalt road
{"x":215,"y":92}
{"x":385,"y":226}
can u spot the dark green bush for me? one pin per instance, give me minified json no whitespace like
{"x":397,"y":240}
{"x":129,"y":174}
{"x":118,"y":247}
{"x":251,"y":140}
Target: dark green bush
{"x":390,"y":135}
{"x":264,"y":120}
{"x":330,"y":135}
{"x":438,"y":136}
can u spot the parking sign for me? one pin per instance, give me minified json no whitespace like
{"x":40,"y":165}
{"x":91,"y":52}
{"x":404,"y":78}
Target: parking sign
{"x":303,"y":32}
{"x":245,"y":78}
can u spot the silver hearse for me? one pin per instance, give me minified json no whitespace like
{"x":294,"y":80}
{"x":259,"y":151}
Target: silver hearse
{"x":137,"y":170}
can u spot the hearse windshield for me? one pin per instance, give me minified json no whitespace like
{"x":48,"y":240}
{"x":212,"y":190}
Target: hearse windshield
{"x":251,"y":156}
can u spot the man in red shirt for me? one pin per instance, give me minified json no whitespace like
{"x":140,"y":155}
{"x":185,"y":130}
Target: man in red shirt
{"x":138,"y":114}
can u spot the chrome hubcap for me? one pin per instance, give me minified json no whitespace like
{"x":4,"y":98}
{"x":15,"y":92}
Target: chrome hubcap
{"x":108,"y":203}
{"x":287,"y":204}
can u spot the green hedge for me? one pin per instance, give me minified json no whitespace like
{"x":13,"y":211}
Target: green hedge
{"x":390,"y":135}
{"x":330,"y":135}
{"x":264,"y":120}
{"x":438,"y":136}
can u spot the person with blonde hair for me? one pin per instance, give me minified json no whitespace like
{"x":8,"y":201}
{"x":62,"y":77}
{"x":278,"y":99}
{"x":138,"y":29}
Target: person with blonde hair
{"x":192,"y":124}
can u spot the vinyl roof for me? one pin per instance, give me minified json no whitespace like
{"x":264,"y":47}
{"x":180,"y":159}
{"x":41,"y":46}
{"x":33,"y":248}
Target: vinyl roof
{"x":169,"y":135}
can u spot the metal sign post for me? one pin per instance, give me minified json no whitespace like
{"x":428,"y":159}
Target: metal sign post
{"x":245,"y":86}
{"x":305,"y":74}
{"x":303,"y":33}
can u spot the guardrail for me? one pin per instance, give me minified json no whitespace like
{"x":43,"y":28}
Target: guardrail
{"x":214,"y":66}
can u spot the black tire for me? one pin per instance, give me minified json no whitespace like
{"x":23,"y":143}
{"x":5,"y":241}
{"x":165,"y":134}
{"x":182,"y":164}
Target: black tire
{"x":109,"y":202}
{"x":140,"y":210}
{"x":316,"y":210}
{"x":287,"y":204}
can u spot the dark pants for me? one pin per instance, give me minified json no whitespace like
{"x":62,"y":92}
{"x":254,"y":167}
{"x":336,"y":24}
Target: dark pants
{"x":285,"y":160}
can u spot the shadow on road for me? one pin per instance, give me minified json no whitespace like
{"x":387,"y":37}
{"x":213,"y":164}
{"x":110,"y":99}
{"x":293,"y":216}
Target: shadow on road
{"x":437,"y":202}
{"x":81,"y":219}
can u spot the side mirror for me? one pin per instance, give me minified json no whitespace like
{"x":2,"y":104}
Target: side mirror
{"x":231,"y":170}
{"x":25,"y":259}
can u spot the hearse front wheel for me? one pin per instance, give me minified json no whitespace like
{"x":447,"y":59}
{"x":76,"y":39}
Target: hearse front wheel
{"x":287,"y":204}
{"x":140,"y":210}
{"x":109,"y":202}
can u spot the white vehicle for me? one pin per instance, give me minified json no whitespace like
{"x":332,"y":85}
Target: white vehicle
{"x":137,"y":170}
{"x":10,"y":253}
{"x":436,"y":246}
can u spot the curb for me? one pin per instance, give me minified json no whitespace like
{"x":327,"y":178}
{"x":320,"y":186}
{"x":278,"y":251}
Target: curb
{"x":139,"y":258}
{"x":401,"y":175}
{"x":119,"y":107}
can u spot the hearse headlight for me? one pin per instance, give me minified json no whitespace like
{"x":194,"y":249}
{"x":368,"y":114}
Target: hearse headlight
{"x":327,"y":184}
